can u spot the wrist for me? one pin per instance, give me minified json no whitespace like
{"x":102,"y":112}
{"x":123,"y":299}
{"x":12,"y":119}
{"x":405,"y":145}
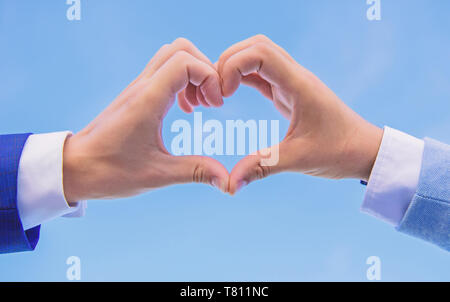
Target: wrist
{"x":73,"y":166}
{"x":368,"y":145}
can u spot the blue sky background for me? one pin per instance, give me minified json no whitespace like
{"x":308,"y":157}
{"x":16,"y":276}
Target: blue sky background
{"x":58,"y":75}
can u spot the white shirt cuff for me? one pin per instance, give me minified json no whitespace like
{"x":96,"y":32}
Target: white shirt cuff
{"x":394,"y":177}
{"x":40,"y":192}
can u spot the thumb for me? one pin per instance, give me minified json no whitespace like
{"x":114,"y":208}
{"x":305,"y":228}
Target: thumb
{"x":257,"y":166}
{"x":200,"y":169}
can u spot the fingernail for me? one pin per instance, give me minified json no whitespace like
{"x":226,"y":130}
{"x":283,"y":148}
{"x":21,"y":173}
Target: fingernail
{"x":240,"y":185}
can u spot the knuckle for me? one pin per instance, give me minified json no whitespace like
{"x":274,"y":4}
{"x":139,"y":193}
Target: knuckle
{"x":181,"y":56}
{"x":261,"y":171}
{"x":221,"y":62}
{"x":263,"y":49}
{"x":199,"y":173}
{"x":222,"y":58}
{"x":164,"y":46}
{"x":262,"y":38}
{"x":183,"y":43}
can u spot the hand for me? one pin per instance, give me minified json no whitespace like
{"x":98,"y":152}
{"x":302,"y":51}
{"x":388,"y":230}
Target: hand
{"x":325,"y":138}
{"x":121,"y":153}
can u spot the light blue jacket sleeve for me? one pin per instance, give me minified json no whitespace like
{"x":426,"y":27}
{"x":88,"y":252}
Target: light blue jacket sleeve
{"x":428,"y":216}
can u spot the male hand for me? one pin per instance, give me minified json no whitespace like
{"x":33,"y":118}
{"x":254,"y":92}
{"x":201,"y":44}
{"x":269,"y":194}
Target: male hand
{"x":121,"y":153}
{"x":325,"y":138}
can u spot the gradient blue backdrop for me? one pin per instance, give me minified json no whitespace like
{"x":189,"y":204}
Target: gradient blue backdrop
{"x":58,"y":75}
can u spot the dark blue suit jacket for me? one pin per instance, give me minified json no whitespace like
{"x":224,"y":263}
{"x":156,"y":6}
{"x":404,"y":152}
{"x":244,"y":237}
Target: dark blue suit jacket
{"x":12,"y":236}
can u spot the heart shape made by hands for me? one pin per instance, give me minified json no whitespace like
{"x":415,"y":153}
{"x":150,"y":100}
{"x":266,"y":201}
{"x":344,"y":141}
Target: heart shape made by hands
{"x":324,"y":134}
{"x":325,"y":137}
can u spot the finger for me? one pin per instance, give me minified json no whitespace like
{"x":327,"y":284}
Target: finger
{"x":258,"y":166}
{"x":200,"y":97}
{"x":160,"y":57}
{"x":216,"y":66}
{"x":200,"y":169}
{"x":255,"y":81}
{"x":191,"y":95}
{"x":183,"y":103}
{"x":261,"y":58}
{"x":194,"y":96}
{"x":180,"y":44}
{"x":248,"y":43}
{"x":157,"y":55}
{"x":182,"y":69}
{"x":165,"y":52}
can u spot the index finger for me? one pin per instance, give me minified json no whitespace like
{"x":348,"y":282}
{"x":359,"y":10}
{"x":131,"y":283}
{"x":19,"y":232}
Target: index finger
{"x":261,"y":58}
{"x":248,"y":43}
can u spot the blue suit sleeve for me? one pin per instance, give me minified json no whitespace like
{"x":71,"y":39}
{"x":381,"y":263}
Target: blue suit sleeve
{"x":428,"y":216}
{"x":13,"y":238}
